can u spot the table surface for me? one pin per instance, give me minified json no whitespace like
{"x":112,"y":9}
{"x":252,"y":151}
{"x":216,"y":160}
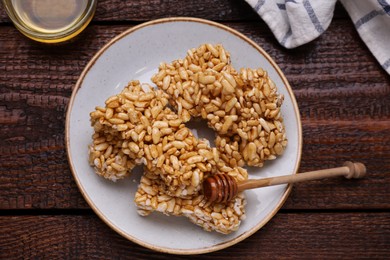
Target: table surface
{"x":344,"y":100}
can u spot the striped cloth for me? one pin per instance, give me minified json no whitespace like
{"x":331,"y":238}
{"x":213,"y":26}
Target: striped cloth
{"x":296,"y":22}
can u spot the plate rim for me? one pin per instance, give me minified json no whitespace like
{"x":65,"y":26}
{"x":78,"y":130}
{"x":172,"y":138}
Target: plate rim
{"x":151,"y":246}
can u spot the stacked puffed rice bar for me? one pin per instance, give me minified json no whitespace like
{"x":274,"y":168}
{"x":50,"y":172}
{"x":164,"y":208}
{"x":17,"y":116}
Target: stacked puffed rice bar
{"x":137,"y":127}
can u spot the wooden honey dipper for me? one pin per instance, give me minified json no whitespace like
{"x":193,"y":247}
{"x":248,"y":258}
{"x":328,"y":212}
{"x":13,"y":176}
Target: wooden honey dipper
{"x":223,"y":188}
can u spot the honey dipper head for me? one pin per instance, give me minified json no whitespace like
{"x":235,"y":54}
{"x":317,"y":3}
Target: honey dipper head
{"x":219,"y":188}
{"x":210,"y":189}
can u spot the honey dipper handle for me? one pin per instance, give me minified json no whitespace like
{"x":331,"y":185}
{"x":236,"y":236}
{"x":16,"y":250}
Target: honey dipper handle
{"x":349,"y":170}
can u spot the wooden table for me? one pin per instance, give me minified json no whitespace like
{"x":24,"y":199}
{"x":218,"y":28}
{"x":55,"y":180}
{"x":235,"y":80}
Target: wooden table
{"x":344,"y":99}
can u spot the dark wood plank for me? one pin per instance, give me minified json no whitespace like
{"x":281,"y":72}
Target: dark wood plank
{"x":117,"y":10}
{"x":287,"y":235}
{"x":220,"y":10}
{"x":341,"y":90}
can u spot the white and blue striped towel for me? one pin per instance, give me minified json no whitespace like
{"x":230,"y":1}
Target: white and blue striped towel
{"x":296,"y":22}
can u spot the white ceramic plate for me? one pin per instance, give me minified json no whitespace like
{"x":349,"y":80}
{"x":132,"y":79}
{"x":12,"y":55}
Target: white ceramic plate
{"x":136,"y":54}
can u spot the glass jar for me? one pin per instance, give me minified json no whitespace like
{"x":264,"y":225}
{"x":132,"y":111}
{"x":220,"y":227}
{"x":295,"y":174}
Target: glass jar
{"x":50,"y":21}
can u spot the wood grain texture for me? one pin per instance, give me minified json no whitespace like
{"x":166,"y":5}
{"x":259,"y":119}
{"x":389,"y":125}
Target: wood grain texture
{"x":343,"y":113}
{"x":220,"y":10}
{"x":287,"y":235}
{"x":137,"y":11}
{"x":342,"y":92}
